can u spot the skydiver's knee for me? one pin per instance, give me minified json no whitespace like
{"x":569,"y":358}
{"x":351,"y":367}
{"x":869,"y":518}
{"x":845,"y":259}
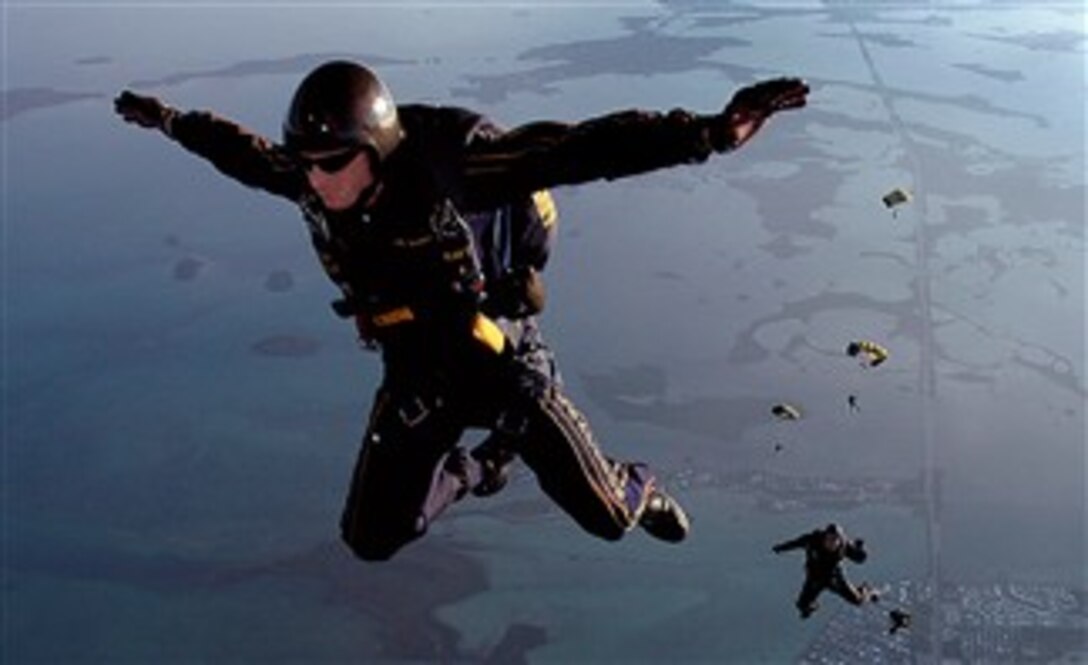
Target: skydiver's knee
{"x":371,"y":549}
{"x":611,"y":535}
{"x":373,"y":554}
{"x":609,"y":531}
{"x":371,"y":546}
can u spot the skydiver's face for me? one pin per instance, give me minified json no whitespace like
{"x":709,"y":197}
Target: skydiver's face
{"x":338,"y":177}
{"x":832,"y":542}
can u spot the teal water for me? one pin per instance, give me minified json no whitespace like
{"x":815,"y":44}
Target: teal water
{"x":179,"y":431}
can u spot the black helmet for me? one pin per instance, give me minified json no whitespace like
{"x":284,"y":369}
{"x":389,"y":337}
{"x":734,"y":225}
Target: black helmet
{"x":833,"y":533}
{"x":342,"y":104}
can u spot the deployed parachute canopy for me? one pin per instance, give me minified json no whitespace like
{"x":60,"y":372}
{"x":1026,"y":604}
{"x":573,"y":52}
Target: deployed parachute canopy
{"x":896,"y":197}
{"x":872,"y":354}
{"x":899,"y":619}
{"x":786,"y":412}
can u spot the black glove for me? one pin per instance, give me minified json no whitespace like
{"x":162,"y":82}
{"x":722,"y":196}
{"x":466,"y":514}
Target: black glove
{"x":751,"y":106}
{"x":516,"y":294}
{"x":141,"y":110}
{"x":778,"y":549}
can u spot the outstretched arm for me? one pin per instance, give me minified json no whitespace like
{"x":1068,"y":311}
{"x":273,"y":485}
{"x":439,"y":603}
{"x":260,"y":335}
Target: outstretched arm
{"x":233,"y":150}
{"x":793,"y":544}
{"x":855,"y":551}
{"x":545,"y":154}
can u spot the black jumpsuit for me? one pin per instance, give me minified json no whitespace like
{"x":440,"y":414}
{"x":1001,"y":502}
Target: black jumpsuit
{"x":823,"y":569}
{"x":405,"y":269}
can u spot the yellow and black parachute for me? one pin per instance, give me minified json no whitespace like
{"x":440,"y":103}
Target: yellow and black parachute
{"x":872,"y":353}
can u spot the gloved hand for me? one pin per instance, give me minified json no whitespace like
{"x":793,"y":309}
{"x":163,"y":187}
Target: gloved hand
{"x":778,"y":549}
{"x":860,"y":555}
{"x":516,"y":294}
{"x":751,"y":106}
{"x":141,"y":110}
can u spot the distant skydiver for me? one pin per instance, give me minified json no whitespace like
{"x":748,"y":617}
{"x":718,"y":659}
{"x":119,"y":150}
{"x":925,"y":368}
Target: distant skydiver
{"x":389,"y":194}
{"x":900,"y":620}
{"x":825,"y":550}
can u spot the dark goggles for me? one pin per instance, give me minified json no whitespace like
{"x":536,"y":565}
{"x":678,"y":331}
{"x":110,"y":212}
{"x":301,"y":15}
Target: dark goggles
{"x":329,"y":164}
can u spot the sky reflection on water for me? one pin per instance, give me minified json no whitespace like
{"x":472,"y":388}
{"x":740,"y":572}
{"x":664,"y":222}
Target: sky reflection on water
{"x":182,"y":411}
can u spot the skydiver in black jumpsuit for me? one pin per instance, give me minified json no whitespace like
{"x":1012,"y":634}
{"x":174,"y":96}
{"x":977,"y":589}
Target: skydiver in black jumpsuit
{"x":825,"y":550}
{"x":386,"y":191}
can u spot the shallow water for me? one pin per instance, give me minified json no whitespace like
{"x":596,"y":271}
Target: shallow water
{"x":182,"y":411}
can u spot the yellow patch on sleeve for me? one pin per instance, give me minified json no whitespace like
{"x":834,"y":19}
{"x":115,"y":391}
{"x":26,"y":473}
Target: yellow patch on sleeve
{"x":393,"y":317}
{"x":545,"y":207}
{"x":487,"y":331}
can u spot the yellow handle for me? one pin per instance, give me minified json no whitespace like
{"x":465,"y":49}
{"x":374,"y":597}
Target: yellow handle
{"x":489,"y":333}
